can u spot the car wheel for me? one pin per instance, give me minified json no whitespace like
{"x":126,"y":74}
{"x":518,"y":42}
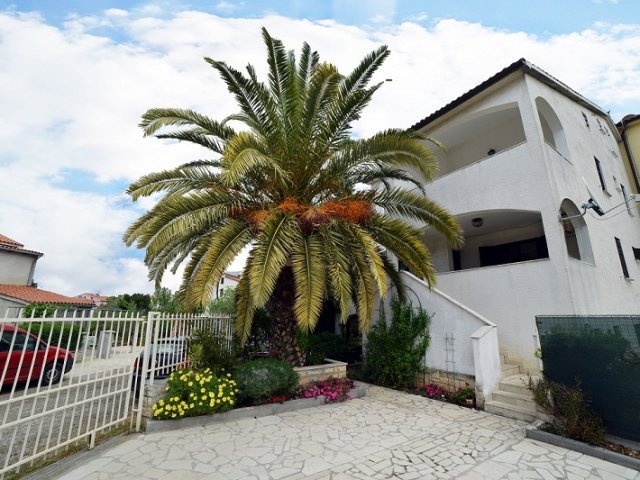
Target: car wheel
{"x":52,"y":373}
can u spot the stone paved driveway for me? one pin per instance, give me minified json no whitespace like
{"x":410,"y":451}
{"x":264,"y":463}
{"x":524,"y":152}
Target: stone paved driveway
{"x":384,"y":435}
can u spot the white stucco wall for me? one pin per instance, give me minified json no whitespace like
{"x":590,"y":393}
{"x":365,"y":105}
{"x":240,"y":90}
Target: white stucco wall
{"x":533,"y":176}
{"x":9,"y":307}
{"x":16,"y":268}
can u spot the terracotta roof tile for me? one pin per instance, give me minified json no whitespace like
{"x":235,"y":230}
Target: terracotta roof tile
{"x":7,"y":243}
{"x":37,"y":295}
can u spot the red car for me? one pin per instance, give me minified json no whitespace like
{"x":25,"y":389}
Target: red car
{"x":16,"y":359}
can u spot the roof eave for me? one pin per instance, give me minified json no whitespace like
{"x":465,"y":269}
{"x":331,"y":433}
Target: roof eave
{"x":520,"y":65}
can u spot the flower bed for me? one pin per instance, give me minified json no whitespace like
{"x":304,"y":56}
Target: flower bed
{"x":463,"y":396}
{"x":256,"y":411}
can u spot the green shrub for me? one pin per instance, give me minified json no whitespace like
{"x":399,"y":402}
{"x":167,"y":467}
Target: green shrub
{"x":395,"y":352}
{"x":191,"y":393}
{"x":56,"y":333}
{"x":573,"y":417}
{"x":324,"y":345}
{"x":261,"y":378}
{"x":208,"y":350}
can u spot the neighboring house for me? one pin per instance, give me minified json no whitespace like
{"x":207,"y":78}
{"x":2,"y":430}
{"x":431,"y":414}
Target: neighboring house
{"x":96,"y":298}
{"x":17,"y":288}
{"x":14,"y":297}
{"x":17,"y":263}
{"x":228,"y":280}
{"x":629,"y":128}
{"x":517,"y":149}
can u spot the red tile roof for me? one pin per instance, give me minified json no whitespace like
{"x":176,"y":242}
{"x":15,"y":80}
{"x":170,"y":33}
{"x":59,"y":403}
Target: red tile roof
{"x":37,"y":295}
{"x":7,"y":243}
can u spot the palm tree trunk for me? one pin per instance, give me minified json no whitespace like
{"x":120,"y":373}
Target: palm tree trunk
{"x":284,"y":340}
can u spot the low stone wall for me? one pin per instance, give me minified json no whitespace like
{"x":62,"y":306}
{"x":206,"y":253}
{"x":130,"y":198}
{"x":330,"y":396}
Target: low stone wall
{"x":314,"y":373}
{"x":333,"y":368}
{"x":152,"y":393}
{"x":450,"y":382}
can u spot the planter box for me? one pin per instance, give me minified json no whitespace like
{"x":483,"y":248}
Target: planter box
{"x":591,"y":450}
{"x":257,"y":411}
{"x":314,"y":373}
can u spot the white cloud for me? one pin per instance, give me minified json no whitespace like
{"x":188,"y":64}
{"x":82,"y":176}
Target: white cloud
{"x":72,"y":99}
{"x":227,"y":7}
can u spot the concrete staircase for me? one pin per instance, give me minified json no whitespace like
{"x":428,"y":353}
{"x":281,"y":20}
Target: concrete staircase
{"x":513,"y":399}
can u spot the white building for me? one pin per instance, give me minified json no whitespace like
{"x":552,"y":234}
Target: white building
{"x":228,"y":280}
{"x":518,"y":148}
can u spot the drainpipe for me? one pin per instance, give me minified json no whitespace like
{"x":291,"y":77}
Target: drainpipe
{"x":632,"y":160}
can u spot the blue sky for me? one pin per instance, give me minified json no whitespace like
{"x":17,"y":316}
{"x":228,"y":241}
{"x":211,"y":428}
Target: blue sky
{"x":542,"y":17}
{"x":78,"y":74}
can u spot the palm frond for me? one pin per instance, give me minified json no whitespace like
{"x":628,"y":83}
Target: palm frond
{"x":157,"y":118}
{"x":220,"y":249}
{"x":270,"y":254}
{"x":309,"y":273}
{"x":408,"y":204}
{"x":338,"y":267}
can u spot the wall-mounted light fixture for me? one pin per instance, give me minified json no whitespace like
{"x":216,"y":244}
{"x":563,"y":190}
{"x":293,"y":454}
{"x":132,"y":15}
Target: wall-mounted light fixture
{"x":477,"y":222}
{"x":491,"y":152}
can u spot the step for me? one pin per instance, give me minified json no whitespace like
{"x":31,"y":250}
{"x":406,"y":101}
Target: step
{"x":510,"y":411}
{"x":515,"y":384}
{"x":509,"y":369}
{"x":516,"y":399}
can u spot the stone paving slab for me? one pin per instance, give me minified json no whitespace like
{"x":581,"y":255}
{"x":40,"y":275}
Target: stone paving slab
{"x":387,"y":434}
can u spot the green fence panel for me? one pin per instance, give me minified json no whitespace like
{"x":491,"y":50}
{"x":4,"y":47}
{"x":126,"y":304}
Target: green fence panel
{"x":604,"y":353}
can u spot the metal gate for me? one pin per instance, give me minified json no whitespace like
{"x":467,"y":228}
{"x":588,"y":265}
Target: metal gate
{"x":71,"y":377}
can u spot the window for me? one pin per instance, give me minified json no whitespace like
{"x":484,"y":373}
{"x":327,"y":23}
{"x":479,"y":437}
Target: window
{"x":636,"y":253}
{"x":18,"y":343}
{"x":586,"y":120}
{"x":600,"y":174}
{"x":623,"y":262}
{"x":222,"y":281}
{"x":576,"y":234}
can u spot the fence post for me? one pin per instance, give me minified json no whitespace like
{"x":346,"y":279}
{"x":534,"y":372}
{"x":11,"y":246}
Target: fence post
{"x":151,"y":317}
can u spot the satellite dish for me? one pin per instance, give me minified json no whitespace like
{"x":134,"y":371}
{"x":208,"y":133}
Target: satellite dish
{"x":593,"y":201}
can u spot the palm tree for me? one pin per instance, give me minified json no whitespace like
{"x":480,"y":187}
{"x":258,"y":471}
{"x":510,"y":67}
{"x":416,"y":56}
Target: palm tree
{"x":290,"y":185}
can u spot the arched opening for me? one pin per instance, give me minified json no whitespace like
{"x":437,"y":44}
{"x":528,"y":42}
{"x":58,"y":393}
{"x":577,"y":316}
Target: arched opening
{"x":551,"y":127}
{"x":576,"y":235}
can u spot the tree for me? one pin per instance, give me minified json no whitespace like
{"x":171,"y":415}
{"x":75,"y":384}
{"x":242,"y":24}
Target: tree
{"x":289,"y":185}
{"x":130,"y":302}
{"x":165,"y":301}
{"x":225,"y":303}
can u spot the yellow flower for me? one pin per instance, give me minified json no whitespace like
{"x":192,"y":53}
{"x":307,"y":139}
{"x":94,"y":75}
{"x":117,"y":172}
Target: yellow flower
{"x":228,"y":375}
{"x":161,"y":402}
{"x":211,"y":394}
{"x":173,"y":415}
{"x":202,"y":390}
{"x":197,"y":378}
{"x":220,"y":394}
{"x":190,"y":384}
{"x":231,"y":402}
{"x":204,"y":397}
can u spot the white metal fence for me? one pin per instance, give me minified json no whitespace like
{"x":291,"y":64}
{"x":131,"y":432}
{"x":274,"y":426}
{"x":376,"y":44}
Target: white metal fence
{"x":68,"y":378}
